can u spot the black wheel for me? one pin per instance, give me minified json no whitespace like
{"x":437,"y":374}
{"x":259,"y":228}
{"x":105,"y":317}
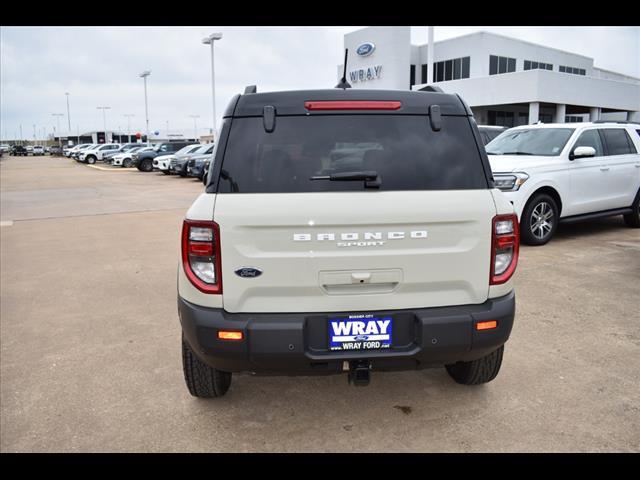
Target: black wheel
{"x":146,"y":166}
{"x":539,"y":220}
{"x":633,"y":219}
{"x":166,"y":172}
{"x":202,"y":380}
{"x":478,"y":371}
{"x":91,"y":159}
{"x":126,"y":163}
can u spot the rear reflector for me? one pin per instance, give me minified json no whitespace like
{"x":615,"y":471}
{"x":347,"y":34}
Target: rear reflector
{"x":488,"y":325}
{"x":229,"y":335}
{"x":353,"y":105}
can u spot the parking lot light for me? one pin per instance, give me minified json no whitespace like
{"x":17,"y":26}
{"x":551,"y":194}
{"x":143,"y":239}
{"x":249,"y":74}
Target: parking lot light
{"x":209,"y":41}
{"x":104,"y":119}
{"x":129,"y":115}
{"x":144,"y":76}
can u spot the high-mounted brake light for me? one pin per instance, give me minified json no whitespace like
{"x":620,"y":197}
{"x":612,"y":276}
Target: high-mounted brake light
{"x":201,"y":255}
{"x":505,"y":245}
{"x":352,"y":105}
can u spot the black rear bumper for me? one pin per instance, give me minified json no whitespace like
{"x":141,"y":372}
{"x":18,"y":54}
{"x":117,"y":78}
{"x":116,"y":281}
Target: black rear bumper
{"x":297,"y":343}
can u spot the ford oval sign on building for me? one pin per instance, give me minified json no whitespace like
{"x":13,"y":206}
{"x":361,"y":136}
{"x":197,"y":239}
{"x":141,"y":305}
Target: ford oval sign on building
{"x":365,"y":49}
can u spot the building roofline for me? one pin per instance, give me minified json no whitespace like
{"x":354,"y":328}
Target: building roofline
{"x":484,"y":32}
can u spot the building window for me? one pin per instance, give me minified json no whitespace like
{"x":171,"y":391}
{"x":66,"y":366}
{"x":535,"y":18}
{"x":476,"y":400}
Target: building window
{"x":499,"y":65}
{"x":531,"y":65}
{"x":424,"y":73}
{"x":465,"y":67}
{"x":502,"y":119}
{"x":412,"y":76}
{"x":572,"y":119}
{"x":454,"y":69}
{"x":573,"y":70}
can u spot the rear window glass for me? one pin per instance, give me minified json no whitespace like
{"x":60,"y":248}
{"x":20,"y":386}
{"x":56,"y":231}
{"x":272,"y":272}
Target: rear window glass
{"x":403,"y":149}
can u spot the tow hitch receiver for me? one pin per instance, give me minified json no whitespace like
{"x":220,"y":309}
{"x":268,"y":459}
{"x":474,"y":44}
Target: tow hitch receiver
{"x":359,"y":372}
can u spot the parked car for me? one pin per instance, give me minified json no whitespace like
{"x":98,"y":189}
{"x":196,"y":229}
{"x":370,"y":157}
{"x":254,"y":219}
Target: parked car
{"x":5,"y":148}
{"x":55,"y":150}
{"x":179,"y":165}
{"x":161,"y":162}
{"x":125,"y":159}
{"x":107,"y":157}
{"x":94,"y":154}
{"x":489,"y":132}
{"x":70,"y":151}
{"x":38,"y":150}
{"x":554,"y":173}
{"x":18,"y":151}
{"x":29,"y":149}
{"x":76,"y":154}
{"x":144,"y":160}
{"x":293,"y":266}
{"x":196,"y":166}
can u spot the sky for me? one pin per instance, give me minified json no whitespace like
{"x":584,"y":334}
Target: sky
{"x":99,"y":66}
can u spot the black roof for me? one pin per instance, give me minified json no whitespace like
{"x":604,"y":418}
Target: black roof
{"x":292,"y":102}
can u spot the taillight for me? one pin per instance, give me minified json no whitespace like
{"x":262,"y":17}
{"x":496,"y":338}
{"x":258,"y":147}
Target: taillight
{"x":505,"y":244}
{"x":201,"y":255}
{"x":353,"y":105}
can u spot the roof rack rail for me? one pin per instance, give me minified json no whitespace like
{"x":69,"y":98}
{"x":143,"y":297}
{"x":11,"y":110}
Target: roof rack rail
{"x":610,"y":121}
{"x":431,"y":88}
{"x":250,"y":89}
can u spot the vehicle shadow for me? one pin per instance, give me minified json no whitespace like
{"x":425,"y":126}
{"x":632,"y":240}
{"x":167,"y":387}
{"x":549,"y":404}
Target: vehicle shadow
{"x":586,"y":228}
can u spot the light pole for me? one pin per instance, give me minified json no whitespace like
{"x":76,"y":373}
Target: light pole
{"x":144,"y":75}
{"x":68,"y":117}
{"x":209,"y":41}
{"x":195,"y":126}
{"x":167,"y":129}
{"x":58,"y":115}
{"x":129,"y":115}
{"x":21,"y":138}
{"x":34,"y":134}
{"x":104,"y":119}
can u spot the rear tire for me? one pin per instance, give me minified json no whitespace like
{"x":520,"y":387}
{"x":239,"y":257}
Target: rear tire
{"x":633,"y":219}
{"x":539,"y":220}
{"x":202,"y":380}
{"x":126,"y":163}
{"x":478,"y":371}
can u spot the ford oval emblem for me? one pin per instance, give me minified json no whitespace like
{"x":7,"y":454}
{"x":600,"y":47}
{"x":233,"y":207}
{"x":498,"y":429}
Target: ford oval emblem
{"x":365,"y":49}
{"x":248,"y":272}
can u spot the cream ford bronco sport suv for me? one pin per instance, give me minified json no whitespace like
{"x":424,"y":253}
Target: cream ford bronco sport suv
{"x":349,"y":231}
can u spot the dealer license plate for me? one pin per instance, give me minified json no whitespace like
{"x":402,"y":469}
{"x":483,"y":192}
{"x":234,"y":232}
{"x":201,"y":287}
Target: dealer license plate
{"x":360,"y":332}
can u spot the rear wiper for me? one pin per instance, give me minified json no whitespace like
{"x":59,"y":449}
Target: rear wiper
{"x":370,"y":178}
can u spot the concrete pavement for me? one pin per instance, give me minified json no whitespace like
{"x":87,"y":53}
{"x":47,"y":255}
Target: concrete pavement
{"x":90,"y":341}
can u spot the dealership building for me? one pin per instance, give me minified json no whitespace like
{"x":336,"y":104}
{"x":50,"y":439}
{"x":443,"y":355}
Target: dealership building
{"x":504,"y":80}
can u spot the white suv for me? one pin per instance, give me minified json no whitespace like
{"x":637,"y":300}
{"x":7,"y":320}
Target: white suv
{"x":568,"y":172}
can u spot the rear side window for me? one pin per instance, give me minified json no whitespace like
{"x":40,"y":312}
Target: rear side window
{"x":618,"y":141}
{"x":402,"y":149}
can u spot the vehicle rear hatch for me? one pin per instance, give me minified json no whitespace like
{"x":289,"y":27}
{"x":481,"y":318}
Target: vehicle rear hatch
{"x":422,"y":238}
